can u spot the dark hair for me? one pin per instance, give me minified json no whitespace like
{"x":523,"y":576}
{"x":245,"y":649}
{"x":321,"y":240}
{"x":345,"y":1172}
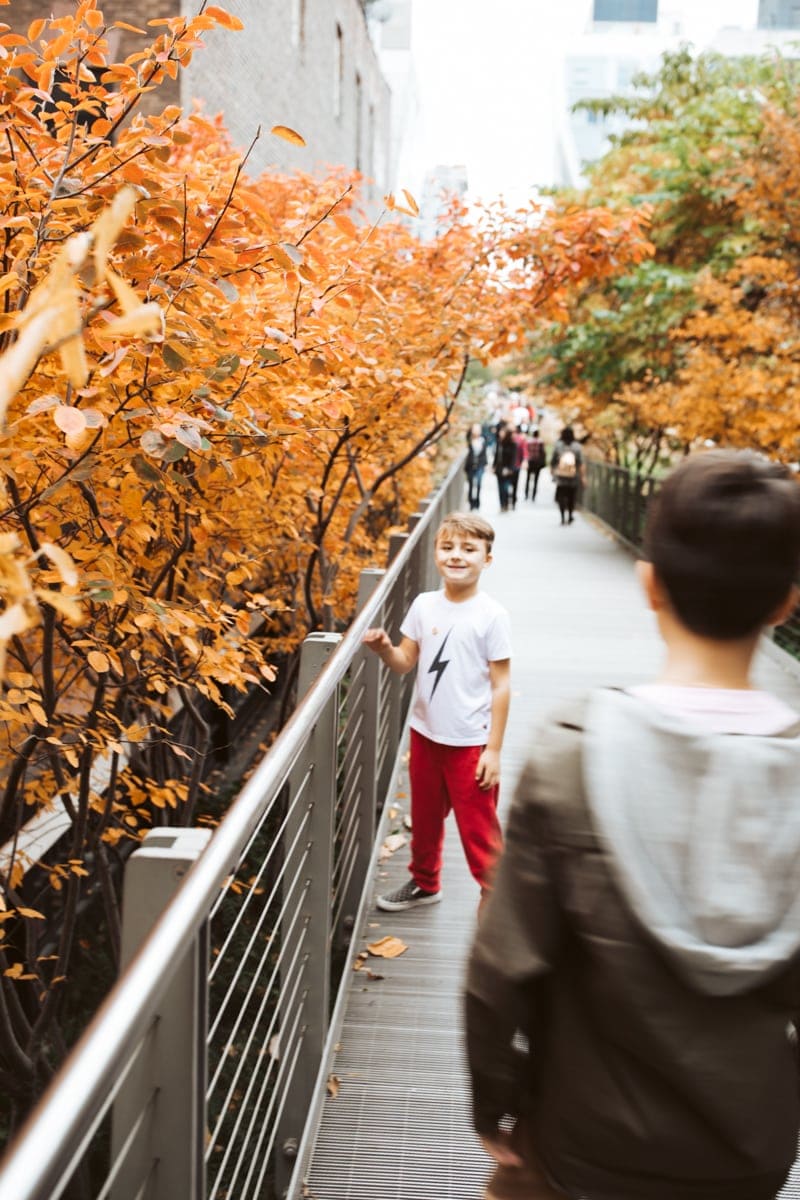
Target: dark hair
{"x":723,"y":535}
{"x":567,"y":436}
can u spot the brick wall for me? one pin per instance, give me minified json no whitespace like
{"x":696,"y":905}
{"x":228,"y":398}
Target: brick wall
{"x":20,"y":13}
{"x":268,"y":75}
{"x":320,"y":76}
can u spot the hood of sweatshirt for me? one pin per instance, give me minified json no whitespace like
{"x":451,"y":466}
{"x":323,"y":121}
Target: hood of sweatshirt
{"x":703,"y":835}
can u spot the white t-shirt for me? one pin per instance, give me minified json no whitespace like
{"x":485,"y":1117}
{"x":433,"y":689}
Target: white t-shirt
{"x":721,"y":710}
{"x":452,"y":695}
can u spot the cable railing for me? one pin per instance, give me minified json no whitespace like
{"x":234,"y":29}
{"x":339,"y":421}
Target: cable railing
{"x":202,"y":1075}
{"x":620,"y":497}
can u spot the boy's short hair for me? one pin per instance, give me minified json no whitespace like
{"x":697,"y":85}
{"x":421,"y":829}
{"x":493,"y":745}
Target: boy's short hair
{"x":467,"y":525}
{"x":723,"y":535}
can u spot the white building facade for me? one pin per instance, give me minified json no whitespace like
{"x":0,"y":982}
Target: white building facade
{"x":622,"y":38}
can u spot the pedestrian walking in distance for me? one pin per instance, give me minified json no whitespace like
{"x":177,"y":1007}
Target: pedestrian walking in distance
{"x":475,"y":465}
{"x":566,"y":463}
{"x":633,"y":992}
{"x":536,"y":459}
{"x":505,"y":468}
{"x":459,"y":640}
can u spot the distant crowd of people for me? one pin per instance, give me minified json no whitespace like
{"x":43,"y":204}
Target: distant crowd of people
{"x":513,"y":448}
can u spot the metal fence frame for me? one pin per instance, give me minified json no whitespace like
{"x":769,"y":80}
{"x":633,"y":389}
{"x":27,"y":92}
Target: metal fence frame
{"x":292,"y":859}
{"x":619,"y":498}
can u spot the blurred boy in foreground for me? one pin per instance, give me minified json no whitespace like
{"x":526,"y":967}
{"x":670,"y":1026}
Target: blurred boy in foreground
{"x":634,"y":984}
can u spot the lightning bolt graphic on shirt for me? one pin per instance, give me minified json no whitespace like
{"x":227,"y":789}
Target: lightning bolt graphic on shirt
{"x":439,"y":664}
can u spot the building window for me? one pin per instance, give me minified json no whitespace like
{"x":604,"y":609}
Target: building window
{"x":338,"y":72}
{"x":778,"y":14}
{"x":359,"y":106}
{"x":298,"y":22}
{"x":371,"y":142}
{"x":626,"y":10}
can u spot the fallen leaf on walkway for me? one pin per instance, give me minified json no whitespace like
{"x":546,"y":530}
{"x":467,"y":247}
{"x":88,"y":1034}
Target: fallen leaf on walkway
{"x":387,"y":947}
{"x":392,"y":843}
{"x":371,"y":975}
{"x":407,"y":822}
{"x":393,"y":812}
{"x":359,"y":962}
{"x":333,"y":1086}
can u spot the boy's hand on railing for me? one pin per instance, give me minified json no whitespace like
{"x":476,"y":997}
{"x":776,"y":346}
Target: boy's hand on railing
{"x":487,"y":773}
{"x":377,"y":640}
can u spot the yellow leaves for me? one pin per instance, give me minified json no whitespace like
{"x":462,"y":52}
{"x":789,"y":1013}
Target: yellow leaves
{"x":18,"y":972}
{"x":409,"y":209}
{"x":288,"y":135}
{"x":52,"y":315}
{"x":223,"y":18}
{"x":387,"y":947}
{"x":411,"y":204}
{"x":287,"y":256}
{"x":62,"y":563}
{"x":98,"y":661}
{"x":30,"y":913}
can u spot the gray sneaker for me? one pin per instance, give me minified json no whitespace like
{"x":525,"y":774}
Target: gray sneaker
{"x":408,"y":896}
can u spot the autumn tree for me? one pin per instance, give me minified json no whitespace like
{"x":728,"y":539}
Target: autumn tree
{"x":699,"y":128}
{"x":241,"y":387}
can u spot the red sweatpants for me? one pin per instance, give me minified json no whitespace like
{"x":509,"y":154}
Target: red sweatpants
{"x":443,"y":778}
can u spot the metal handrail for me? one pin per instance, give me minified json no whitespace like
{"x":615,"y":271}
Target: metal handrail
{"x":56,"y":1135}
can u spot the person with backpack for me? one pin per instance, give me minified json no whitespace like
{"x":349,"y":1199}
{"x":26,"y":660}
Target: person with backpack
{"x":566,"y":464}
{"x":633,"y":991}
{"x":537,"y":461}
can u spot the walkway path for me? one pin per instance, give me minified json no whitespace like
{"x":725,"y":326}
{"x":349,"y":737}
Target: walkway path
{"x":398,"y":1127}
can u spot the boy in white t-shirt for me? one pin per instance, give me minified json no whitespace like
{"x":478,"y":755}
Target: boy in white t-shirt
{"x":459,"y":640}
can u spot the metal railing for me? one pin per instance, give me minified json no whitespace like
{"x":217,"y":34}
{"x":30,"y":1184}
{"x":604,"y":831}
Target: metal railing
{"x":620,"y":498}
{"x":202,"y":1074}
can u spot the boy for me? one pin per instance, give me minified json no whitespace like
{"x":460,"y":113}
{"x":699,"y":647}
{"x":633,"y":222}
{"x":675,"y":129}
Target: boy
{"x":460,"y":639}
{"x":643,"y":935}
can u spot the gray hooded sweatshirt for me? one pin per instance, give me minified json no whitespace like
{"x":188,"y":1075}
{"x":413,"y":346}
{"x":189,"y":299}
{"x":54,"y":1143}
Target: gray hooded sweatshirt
{"x":703,"y":833}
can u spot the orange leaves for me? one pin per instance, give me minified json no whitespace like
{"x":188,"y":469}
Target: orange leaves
{"x":287,"y":256}
{"x":223,"y":18}
{"x":210,"y":487}
{"x":288,"y":135}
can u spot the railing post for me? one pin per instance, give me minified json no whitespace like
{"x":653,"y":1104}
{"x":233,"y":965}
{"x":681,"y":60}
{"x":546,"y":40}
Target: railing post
{"x":316,"y":807}
{"x":168,"y":1080}
{"x":396,"y":543}
{"x":395,"y":689}
{"x":368,"y":753}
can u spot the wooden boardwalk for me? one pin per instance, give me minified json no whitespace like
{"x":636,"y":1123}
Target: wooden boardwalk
{"x":398,"y":1127}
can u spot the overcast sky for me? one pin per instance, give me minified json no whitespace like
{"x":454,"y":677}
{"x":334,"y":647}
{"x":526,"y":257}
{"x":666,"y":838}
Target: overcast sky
{"x":487,"y":77}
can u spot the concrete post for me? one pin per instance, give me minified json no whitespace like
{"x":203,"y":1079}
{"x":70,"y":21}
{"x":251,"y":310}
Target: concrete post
{"x":168,"y":1078}
{"x":316,"y":807}
{"x":367,"y":757}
